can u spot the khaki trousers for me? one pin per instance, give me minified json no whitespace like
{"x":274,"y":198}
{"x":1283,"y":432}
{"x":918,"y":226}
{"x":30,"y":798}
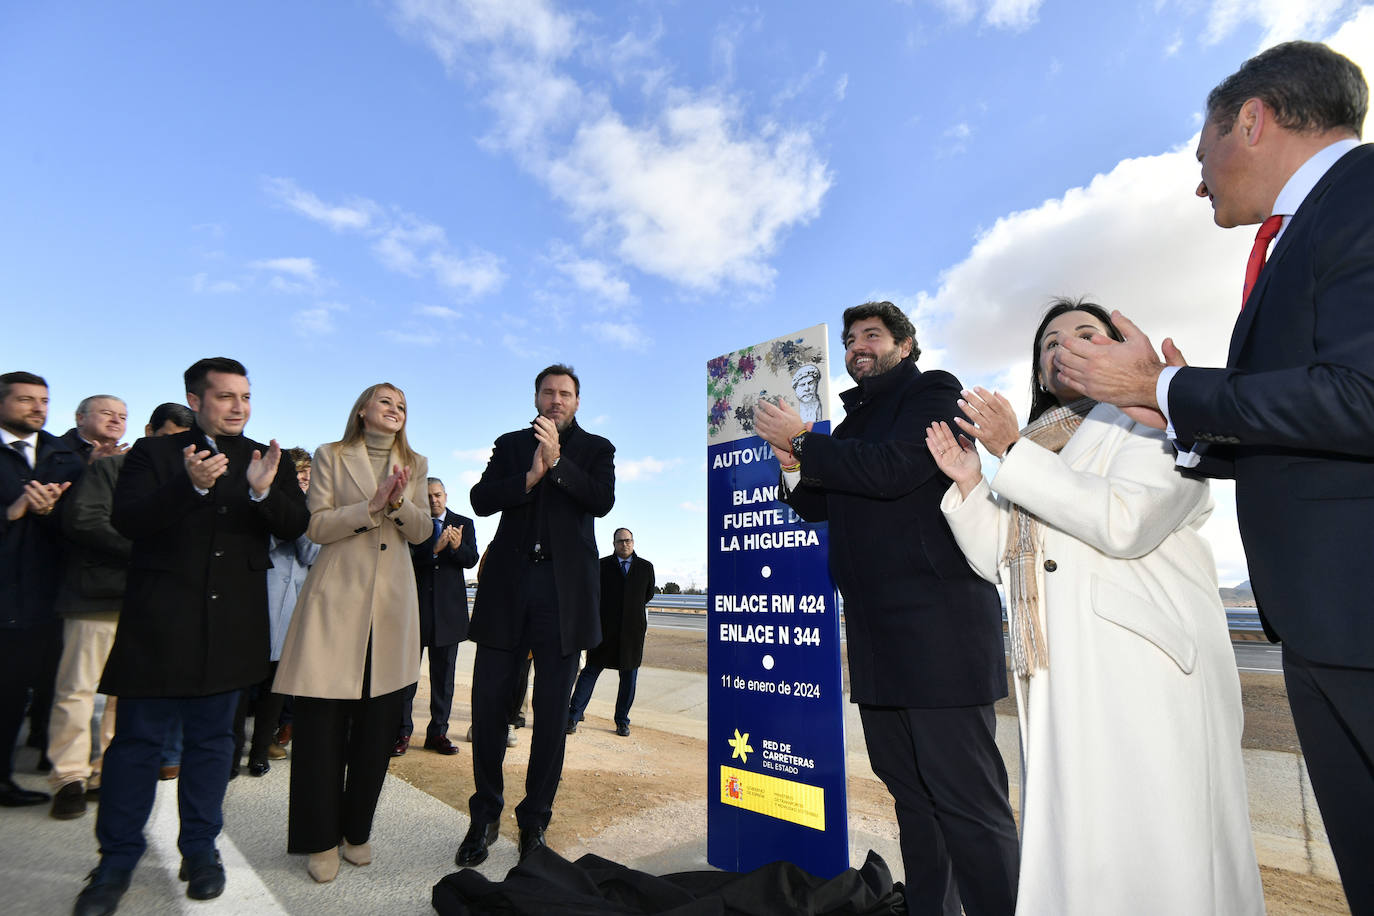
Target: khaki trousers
{"x":86,"y":642}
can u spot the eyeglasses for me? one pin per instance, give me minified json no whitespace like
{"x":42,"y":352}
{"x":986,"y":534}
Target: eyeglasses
{"x":624,"y":540}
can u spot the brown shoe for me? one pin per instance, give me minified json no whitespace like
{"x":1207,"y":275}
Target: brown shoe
{"x":283,"y":736}
{"x":276,"y":752}
{"x":402,"y":745}
{"x":440,"y":744}
{"x":69,"y":802}
{"x":171,"y":772}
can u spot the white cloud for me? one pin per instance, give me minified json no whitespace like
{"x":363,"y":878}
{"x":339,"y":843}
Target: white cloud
{"x":473,"y":455}
{"x":339,"y":217}
{"x":469,"y":277}
{"x":412,"y":338}
{"x":691,"y":506}
{"x":1281,"y":20}
{"x":201,"y":283}
{"x":643,"y":468}
{"x":301,"y":268}
{"x":592,"y":276}
{"x":695,"y":192}
{"x":956,"y":138}
{"x":402,"y":242}
{"x":1017,"y":15}
{"x":438,"y":311}
{"x":624,"y":334}
{"x":317,"y":321}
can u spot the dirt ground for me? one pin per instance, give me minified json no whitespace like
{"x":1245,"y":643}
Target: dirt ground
{"x":650,"y":788}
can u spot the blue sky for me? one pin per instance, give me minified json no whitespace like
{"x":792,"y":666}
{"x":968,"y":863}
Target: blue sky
{"x":451,"y":195}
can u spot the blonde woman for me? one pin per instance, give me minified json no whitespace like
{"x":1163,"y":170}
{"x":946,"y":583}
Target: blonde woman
{"x":353,"y":645}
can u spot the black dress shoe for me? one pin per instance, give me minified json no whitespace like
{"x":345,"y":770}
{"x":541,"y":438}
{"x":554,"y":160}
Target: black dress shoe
{"x":518,"y":721}
{"x":44,"y":765}
{"x":13,"y":796}
{"x":101,"y":896}
{"x":473,"y":850}
{"x":258,"y":767}
{"x":204,"y":876}
{"x":530,"y":839}
{"x":69,"y":802}
{"x":571,"y":729}
{"x":441,"y":745}
{"x":623,"y":730}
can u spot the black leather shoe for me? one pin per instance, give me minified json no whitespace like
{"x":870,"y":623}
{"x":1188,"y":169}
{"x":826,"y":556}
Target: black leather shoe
{"x":13,"y":796}
{"x":571,"y":729}
{"x":204,"y":876}
{"x":473,"y":850}
{"x":441,"y":745}
{"x":623,"y":730}
{"x":69,"y":802}
{"x":530,"y":839}
{"x":258,"y":767}
{"x":101,"y":896}
{"x":402,"y":745}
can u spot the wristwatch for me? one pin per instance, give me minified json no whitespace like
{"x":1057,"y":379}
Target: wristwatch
{"x":797,"y":441}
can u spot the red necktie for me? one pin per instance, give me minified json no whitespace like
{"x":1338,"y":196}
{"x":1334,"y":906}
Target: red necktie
{"x":1267,"y":230}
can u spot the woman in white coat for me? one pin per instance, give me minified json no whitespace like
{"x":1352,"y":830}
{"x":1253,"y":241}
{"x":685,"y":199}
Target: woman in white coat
{"x":1133,"y":788}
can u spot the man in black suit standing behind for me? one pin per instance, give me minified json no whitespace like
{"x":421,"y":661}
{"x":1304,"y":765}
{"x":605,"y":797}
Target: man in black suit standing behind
{"x":198,"y":507}
{"x":539,"y":592}
{"x":440,"y":565}
{"x":627,"y":584}
{"x":924,"y":631}
{"x":1291,"y":417}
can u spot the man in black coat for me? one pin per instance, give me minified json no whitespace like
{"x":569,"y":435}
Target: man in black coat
{"x":101,"y":420}
{"x":36,"y":469}
{"x":440,"y":578}
{"x":627,"y":584}
{"x":199,"y":507}
{"x":924,"y":631}
{"x":1291,"y":417}
{"x":539,"y":593}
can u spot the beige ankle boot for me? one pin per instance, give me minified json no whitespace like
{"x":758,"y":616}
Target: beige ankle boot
{"x":324,"y":866}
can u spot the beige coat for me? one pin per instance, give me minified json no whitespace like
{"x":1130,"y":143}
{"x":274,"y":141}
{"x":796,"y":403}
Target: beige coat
{"x":361,"y":583}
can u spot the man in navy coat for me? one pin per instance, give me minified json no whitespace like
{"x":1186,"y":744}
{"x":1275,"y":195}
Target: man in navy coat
{"x":441,"y":564}
{"x":36,"y":469}
{"x":539,"y":593}
{"x":923,"y":631}
{"x":1291,"y":417}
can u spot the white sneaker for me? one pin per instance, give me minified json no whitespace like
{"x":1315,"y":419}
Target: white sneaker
{"x":469,"y":734}
{"x":511,"y":740}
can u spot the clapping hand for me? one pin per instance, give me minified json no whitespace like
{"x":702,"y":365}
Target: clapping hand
{"x":391,"y":491}
{"x":957,"y":458}
{"x":262,"y":469}
{"x":39,"y":497}
{"x":204,"y":467}
{"x":450,"y":537}
{"x":991,"y":420}
{"x":106,"y":449}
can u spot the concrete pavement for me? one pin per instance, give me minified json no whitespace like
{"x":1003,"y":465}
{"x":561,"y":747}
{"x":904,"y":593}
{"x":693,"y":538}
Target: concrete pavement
{"x":43,"y":861}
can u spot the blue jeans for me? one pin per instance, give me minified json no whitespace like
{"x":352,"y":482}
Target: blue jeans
{"x":586,"y":683}
{"x":129,"y":781}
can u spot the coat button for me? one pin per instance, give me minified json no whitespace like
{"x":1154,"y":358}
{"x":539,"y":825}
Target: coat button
{"x":214,"y":595}
{"x":219,"y":553}
{"x":384,"y":547}
{"x":223,"y":510}
{"x":1051,"y":566}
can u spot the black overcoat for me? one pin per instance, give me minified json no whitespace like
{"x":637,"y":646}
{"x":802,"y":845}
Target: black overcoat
{"x":441,"y":582}
{"x":565,"y":502}
{"x":194,"y":620}
{"x":623,"y":621}
{"x":31,"y":547}
{"x":923,"y":629}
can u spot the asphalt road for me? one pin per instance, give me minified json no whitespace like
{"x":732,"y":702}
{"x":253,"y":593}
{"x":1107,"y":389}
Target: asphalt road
{"x":1251,"y":657}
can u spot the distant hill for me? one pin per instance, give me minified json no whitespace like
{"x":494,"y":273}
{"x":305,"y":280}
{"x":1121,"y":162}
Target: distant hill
{"x":1240,"y":596}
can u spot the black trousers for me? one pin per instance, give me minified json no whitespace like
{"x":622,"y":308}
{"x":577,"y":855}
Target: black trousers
{"x":340,"y":753}
{"x":494,"y":675}
{"x":265,"y":707}
{"x":22,"y":655}
{"x":443,"y":665}
{"x":947,"y":778}
{"x":1333,"y":710}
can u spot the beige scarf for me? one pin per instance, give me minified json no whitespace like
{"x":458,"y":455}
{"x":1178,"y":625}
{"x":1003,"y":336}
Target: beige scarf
{"x":1029,"y":651}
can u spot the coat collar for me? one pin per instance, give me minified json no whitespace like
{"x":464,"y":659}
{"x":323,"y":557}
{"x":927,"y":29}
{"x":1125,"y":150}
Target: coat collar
{"x":359,"y":466}
{"x":875,"y":386}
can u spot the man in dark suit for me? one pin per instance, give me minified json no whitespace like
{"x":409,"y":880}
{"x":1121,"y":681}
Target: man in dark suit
{"x":440,"y":565}
{"x":36,"y":469}
{"x":101,"y":420}
{"x":193,"y":630}
{"x":924,"y":632}
{"x":627,"y":584}
{"x":539,"y":593}
{"x":1291,"y":417}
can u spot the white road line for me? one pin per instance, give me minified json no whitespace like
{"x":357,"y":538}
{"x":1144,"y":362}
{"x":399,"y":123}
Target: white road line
{"x":244,"y":891}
